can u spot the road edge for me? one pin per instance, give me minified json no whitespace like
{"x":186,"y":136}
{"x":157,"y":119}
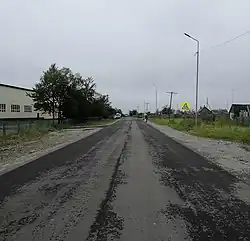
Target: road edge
{"x":36,"y":155}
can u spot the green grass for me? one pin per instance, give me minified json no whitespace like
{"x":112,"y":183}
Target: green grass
{"x":221,"y":130}
{"x":24,"y":136}
{"x":28,"y":133}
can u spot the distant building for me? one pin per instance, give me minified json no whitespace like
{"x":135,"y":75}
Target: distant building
{"x":239,"y":110}
{"x":220,"y":112}
{"x":205,"y":114}
{"x":15,"y":104}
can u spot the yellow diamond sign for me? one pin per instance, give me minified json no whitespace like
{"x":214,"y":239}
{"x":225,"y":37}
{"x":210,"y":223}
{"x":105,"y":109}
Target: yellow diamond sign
{"x":185,"y":106}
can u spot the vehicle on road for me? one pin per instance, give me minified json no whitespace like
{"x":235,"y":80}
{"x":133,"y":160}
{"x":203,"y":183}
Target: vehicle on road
{"x":117,"y":116}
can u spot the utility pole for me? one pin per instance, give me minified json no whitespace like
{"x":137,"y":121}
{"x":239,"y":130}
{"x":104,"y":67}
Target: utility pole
{"x":156,"y":97}
{"x":197,"y":75}
{"x":171,"y":98}
{"x":147,"y":103}
{"x":137,"y":108}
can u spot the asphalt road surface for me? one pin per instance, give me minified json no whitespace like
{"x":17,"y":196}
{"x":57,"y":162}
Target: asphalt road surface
{"x":127,"y":182}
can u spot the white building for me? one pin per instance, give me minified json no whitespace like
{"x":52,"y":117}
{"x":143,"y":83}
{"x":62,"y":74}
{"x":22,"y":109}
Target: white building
{"x":15,"y":104}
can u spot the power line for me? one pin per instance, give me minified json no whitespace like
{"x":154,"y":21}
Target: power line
{"x":227,"y":41}
{"x":231,"y":40}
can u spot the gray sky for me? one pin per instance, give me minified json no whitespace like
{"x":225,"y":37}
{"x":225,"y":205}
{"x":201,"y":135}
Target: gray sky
{"x":129,"y":45}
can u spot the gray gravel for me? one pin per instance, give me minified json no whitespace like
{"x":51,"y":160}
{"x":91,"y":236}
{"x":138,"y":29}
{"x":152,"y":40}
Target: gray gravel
{"x":128,"y":181}
{"x":13,"y":156}
{"x":233,"y":157}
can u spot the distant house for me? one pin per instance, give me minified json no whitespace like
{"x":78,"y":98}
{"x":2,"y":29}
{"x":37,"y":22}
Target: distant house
{"x":220,"y":112}
{"x":239,"y":110}
{"x":205,"y":114}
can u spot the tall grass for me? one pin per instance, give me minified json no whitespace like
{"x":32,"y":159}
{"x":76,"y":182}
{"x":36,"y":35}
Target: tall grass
{"x":222,"y":129}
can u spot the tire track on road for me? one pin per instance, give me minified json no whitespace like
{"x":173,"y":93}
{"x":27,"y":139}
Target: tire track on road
{"x":108,"y":224}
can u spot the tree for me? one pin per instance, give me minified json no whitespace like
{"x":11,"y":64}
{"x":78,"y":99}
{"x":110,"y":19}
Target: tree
{"x":51,"y":92}
{"x":166,"y":110}
{"x":67,"y":95}
{"x":45,"y":93}
{"x":133,"y":112}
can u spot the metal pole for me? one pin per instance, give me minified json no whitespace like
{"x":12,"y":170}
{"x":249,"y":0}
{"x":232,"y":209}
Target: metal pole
{"x":147,"y":104}
{"x":197,"y":82}
{"x":156,"y":90}
{"x":170,"y":105}
{"x":171,"y":98}
{"x":156,"y":100}
{"x":197,"y":76}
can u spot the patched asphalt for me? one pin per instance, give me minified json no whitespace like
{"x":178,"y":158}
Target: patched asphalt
{"x":126,"y":182}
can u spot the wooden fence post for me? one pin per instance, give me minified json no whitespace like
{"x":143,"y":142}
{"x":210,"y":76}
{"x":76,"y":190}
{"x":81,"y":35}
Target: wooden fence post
{"x":30,"y":125}
{"x":18,"y":127}
{"x":4,"y":128}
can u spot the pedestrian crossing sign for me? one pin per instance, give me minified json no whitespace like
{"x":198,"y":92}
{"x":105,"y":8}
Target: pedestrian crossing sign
{"x":185,"y":106}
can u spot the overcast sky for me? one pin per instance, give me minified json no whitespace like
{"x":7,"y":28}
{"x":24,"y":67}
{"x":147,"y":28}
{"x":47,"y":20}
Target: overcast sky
{"x":128,"y":46}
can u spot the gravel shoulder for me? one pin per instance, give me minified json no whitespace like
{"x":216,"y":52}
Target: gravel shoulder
{"x":233,"y":157}
{"x":13,"y":156}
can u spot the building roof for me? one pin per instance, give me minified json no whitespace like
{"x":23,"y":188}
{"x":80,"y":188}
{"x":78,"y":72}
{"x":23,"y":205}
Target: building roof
{"x":204,"y":108}
{"x":97,"y":95}
{"x":239,"y":107}
{"x":15,"y":87}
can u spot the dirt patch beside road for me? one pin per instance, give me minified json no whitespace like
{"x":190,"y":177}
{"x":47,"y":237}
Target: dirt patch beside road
{"x":15,"y":155}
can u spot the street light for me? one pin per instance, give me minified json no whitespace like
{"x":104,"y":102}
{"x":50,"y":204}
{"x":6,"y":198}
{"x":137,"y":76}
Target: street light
{"x":156,"y":90}
{"x":197,"y":75}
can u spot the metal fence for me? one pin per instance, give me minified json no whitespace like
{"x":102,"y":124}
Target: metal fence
{"x":19,"y":127}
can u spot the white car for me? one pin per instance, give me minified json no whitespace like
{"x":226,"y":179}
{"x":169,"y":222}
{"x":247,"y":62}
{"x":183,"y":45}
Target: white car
{"x":117,"y":116}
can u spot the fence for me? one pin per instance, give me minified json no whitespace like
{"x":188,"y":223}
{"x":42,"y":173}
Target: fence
{"x":19,"y":127}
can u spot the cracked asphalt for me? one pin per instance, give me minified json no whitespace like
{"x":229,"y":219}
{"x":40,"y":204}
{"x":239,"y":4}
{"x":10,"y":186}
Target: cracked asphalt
{"x":126,"y":182}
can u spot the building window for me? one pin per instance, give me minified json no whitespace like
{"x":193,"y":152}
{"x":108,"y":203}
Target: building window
{"x":2,"y":107}
{"x":15,"y":108}
{"x":27,"y":108}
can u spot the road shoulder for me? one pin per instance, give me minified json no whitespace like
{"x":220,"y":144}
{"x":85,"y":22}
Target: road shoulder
{"x":230,"y":156}
{"x":14,"y":156}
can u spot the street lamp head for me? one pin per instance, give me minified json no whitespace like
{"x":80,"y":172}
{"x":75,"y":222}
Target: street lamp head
{"x":187,"y":35}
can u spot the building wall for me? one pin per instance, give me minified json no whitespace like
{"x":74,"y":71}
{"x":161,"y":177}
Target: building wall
{"x":14,"y":96}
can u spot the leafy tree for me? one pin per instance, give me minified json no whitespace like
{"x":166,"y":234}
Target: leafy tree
{"x":67,"y":95}
{"x":45,"y":92}
{"x":166,"y":110}
{"x":133,"y":112}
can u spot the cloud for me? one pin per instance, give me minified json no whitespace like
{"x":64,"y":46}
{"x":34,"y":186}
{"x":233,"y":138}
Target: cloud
{"x":129,"y":45}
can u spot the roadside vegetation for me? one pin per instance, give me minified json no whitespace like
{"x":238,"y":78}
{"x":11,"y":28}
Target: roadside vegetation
{"x":222,"y":129}
{"x":69,"y":98}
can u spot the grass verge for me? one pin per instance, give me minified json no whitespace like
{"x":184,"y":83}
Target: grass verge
{"x":220,"y":130}
{"x":28,"y":134}
{"x":15,"y":139}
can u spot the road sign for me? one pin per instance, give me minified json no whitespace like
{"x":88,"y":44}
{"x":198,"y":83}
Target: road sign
{"x":185,"y":106}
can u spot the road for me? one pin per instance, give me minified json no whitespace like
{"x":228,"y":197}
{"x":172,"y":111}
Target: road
{"x":126,"y":182}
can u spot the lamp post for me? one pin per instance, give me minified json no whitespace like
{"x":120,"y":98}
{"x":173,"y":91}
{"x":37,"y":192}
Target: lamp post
{"x":156,"y":97}
{"x":197,"y":75}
